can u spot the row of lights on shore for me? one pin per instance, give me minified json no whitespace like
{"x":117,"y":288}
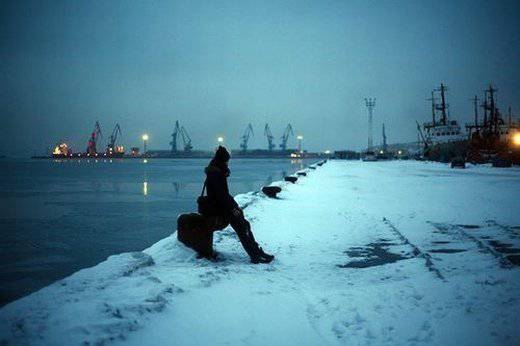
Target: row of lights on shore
{"x":220,"y":140}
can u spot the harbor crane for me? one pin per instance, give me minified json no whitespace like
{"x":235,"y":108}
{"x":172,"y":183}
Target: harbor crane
{"x":288,"y":132}
{"x":175,"y":134}
{"x":270,"y":137}
{"x":92,"y":142}
{"x":186,"y":140}
{"x":245,"y":137}
{"x":112,"y":148}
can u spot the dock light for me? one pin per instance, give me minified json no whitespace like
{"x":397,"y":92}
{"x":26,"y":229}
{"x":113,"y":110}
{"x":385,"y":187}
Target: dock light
{"x":299,"y":138}
{"x":220,"y":139}
{"x":381,"y":151}
{"x":516,"y":139}
{"x":399,"y":152}
{"x":327,"y":152}
{"x":145,"y":141}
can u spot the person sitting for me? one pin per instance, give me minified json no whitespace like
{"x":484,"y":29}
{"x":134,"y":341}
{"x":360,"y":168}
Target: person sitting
{"x":226,"y":207}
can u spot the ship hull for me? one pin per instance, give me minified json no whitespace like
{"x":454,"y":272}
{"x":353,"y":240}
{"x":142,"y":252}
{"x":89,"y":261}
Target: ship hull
{"x":446,"y":151}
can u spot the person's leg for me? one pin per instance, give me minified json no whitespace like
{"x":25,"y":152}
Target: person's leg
{"x":242,"y":228}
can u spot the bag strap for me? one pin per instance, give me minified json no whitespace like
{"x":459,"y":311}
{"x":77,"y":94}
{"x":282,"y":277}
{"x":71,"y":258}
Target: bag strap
{"x":203,"y":189}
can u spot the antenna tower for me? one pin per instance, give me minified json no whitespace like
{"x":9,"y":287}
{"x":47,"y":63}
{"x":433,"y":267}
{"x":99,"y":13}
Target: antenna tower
{"x":370,"y":103}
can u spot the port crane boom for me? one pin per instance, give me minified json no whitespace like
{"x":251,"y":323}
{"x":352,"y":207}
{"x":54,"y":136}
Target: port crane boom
{"x":186,"y":140}
{"x":175,"y":134}
{"x":288,"y":132}
{"x":112,"y":148}
{"x":245,"y":137}
{"x":92,"y":142}
{"x":270,"y":137}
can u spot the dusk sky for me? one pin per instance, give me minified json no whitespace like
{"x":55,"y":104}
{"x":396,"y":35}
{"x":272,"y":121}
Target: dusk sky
{"x":218,"y":65}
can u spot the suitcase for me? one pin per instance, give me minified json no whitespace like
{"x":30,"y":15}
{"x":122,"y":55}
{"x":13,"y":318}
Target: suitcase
{"x":196,"y":231}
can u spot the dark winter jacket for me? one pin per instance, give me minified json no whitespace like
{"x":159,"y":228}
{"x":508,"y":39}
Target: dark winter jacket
{"x":217,"y":188}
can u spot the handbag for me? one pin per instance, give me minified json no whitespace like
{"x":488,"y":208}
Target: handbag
{"x":205,"y":205}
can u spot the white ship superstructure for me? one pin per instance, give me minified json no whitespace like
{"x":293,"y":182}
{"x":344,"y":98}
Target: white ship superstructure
{"x":442,"y":129}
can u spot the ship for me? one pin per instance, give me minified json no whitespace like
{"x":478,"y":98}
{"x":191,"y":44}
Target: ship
{"x":61,"y":151}
{"x":443,"y":138}
{"x":442,"y":129}
{"x":493,"y":138}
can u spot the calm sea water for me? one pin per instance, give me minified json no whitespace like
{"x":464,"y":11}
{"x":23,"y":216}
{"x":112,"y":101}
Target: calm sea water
{"x":58,"y":217}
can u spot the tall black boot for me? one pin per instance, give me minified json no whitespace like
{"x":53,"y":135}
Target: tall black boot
{"x":243,"y":229}
{"x":260,"y":252}
{"x":259,"y":255}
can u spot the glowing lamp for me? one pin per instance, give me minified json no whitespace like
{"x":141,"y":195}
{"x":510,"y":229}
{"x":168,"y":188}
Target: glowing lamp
{"x":516,"y":139}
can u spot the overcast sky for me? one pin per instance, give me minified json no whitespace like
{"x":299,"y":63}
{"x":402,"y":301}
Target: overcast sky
{"x":218,"y":65}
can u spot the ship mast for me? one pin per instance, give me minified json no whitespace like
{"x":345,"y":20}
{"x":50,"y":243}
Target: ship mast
{"x":442,"y":107}
{"x":485,"y":106}
{"x":493,"y":109}
{"x":490,"y":105}
{"x":475,"y":105}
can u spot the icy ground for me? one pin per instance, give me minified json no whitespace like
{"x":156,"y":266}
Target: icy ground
{"x":366,"y":253}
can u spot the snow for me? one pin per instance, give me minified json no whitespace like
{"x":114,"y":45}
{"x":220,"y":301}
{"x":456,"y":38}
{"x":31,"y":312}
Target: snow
{"x":366,"y":253}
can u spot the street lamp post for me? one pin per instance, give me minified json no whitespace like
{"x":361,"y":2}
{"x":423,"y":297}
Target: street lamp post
{"x":300,"y":138}
{"x":145,"y":141}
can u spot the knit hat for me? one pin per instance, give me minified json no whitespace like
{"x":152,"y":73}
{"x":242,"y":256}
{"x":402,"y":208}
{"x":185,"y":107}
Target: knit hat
{"x":222,"y":154}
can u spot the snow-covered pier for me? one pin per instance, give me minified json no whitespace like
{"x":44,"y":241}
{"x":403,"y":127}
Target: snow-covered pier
{"x":378,"y":252}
